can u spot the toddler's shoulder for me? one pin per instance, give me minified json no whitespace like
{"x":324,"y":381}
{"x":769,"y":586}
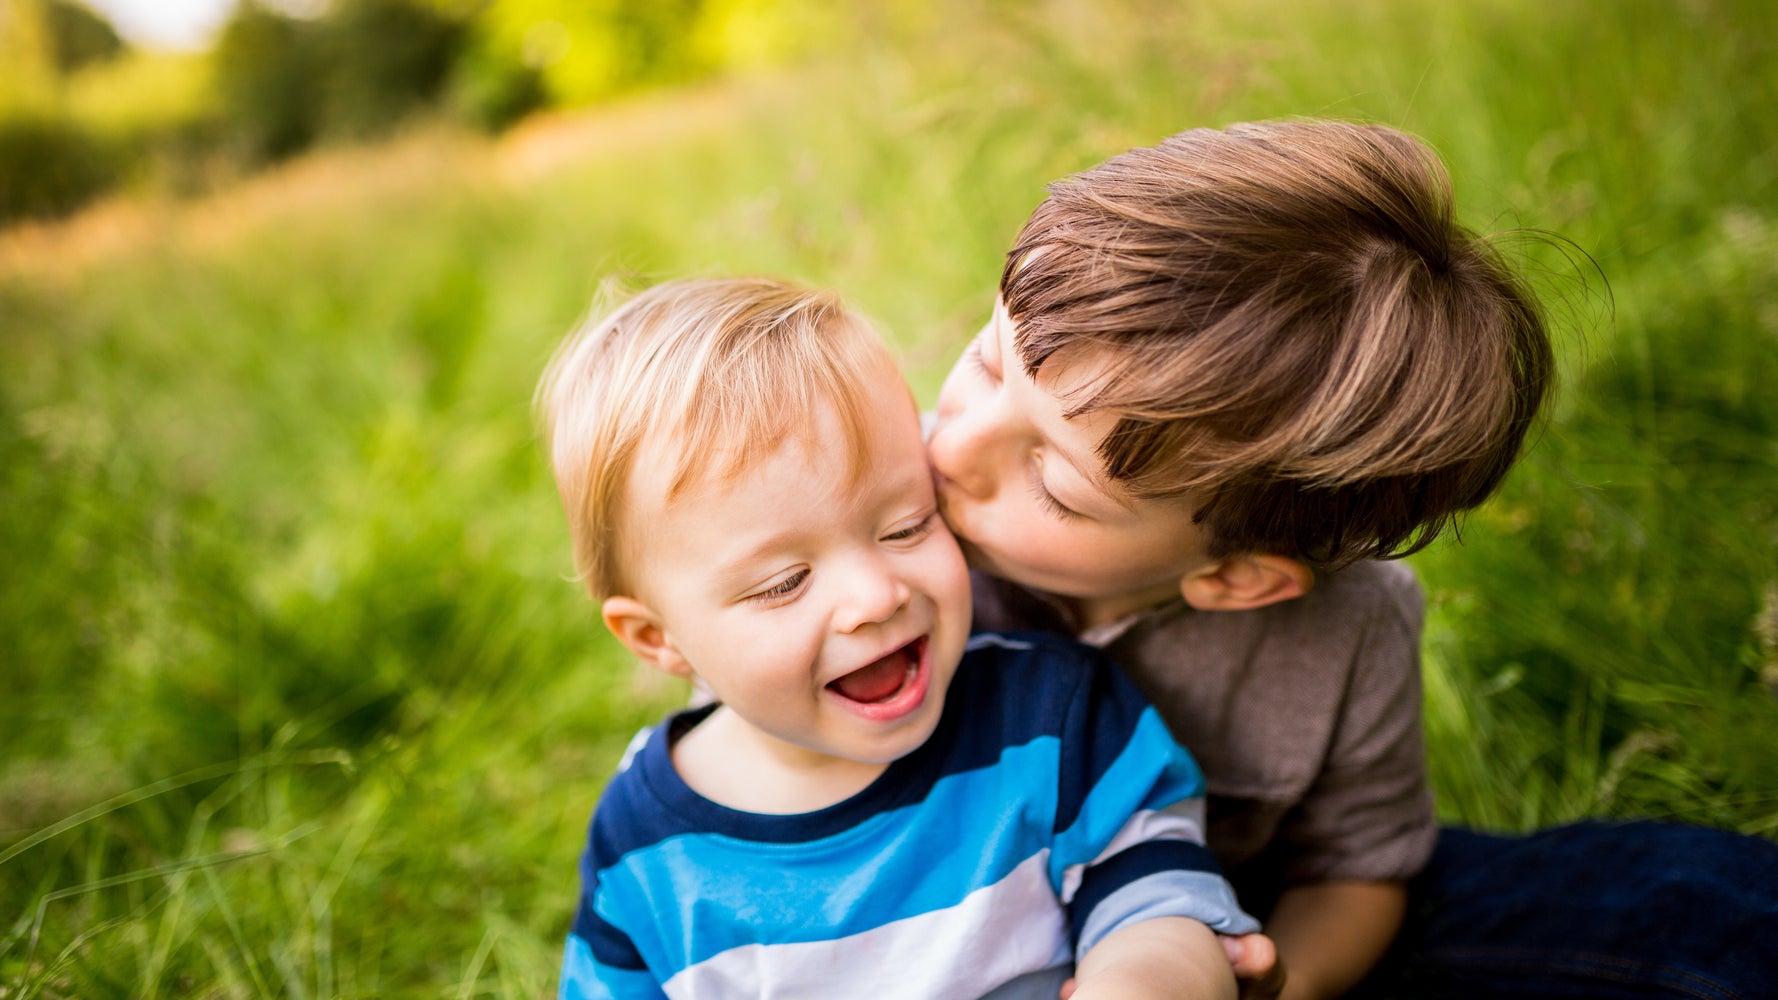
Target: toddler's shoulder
{"x":1034,"y":681}
{"x":1031,"y":661}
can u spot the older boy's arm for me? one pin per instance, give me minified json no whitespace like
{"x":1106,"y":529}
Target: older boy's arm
{"x":1329,"y":934}
{"x":1171,"y":957}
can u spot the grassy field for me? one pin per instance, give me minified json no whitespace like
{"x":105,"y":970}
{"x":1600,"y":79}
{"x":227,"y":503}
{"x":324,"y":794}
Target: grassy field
{"x":296,"y":698}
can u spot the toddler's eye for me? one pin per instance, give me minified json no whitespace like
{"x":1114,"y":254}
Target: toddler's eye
{"x":912,"y":531}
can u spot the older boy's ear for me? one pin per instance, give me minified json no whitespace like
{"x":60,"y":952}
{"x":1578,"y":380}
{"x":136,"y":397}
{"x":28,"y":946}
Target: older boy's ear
{"x":637,"y":626}
{"x":1245,"y":582}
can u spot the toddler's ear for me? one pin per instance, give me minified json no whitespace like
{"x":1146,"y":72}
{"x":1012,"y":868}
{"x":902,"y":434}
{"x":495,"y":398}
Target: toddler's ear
{"x":1244,"y":582}
{"x":637,"y":626}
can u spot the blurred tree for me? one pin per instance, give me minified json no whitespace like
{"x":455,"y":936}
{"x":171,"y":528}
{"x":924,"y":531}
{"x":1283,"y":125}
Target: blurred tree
{"x":49,"y":165}
{"x":385,"y":60}
{"x":78,"y":36}
{"x":491,"y":87}
{"x":268,"y":68}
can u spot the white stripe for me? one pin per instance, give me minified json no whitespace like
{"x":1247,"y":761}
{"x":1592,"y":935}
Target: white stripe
{"x":637,"y":742}
{"x":994,"y":935}
{"x":1183,"y":820}
{"x":982,"y":640}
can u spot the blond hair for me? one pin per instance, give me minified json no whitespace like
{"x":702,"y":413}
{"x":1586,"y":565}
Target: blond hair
{"x":1294,"y":331}
{"x":722,"y":371}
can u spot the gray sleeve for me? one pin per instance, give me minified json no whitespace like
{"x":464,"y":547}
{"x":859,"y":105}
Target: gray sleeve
{"x":1369,"y":814}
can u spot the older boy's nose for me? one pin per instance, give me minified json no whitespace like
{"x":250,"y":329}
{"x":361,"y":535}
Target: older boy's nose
{"x":961,"y":450}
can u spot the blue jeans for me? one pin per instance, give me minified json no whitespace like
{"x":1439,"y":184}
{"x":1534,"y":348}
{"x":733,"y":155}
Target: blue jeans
{"x":1607,"y":910}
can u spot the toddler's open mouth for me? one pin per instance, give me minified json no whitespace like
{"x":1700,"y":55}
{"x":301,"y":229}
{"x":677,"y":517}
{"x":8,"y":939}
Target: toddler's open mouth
{"x":889,"y":686}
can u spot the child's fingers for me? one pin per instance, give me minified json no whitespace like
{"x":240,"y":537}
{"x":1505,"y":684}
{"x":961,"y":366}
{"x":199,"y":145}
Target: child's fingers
{"x":1255,"y":960}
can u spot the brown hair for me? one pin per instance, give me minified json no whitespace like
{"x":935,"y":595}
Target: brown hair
{"x":721,"y":371}
{"x":1294,"y":331}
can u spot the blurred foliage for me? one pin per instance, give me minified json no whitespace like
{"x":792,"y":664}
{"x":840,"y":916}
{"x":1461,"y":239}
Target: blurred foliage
{"x":355,"y":73}
{"x":49,"y":164}
{"x":275,"y":83}
{"x":585,"y":51}
{"x":79,"y":37}
{"x":383,"y":60}
{"x":267,"y":72}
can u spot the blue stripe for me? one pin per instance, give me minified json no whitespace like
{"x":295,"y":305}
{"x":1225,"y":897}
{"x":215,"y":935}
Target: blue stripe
{"x":583,"y":979}
{"x":1131,"y":865}
{"x":1153,"y":772}
{"x":1101,"y":725}
{"x":707,"y":893}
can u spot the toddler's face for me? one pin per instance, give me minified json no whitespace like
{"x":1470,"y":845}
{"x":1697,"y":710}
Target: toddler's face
{"x":829,"y":616}
{"x":1023,"y":486}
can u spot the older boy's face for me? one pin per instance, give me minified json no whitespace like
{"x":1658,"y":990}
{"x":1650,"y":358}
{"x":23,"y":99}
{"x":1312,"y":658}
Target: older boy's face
{"x":827,"y":616}
{"x":1022,"y":486}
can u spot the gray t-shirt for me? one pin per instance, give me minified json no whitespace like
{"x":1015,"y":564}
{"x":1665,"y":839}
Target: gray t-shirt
{"x":1304,"y":715}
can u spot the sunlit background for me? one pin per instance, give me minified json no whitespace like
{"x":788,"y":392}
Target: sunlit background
{"x":165,"y":24}
{"x":297,"y":697}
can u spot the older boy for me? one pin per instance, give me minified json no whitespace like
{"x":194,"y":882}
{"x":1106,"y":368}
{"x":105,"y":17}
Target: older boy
{"x":868,"y":809}
{"x":1223,"y":368}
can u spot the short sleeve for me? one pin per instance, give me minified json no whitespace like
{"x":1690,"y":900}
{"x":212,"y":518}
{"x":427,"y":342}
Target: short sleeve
{"x":1369,"y":812}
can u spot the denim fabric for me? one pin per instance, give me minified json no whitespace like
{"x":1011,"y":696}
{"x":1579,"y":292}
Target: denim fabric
{"x":1607,"y":910}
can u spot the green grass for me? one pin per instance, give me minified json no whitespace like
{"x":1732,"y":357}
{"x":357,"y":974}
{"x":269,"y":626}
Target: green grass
{"x":297,"y":699}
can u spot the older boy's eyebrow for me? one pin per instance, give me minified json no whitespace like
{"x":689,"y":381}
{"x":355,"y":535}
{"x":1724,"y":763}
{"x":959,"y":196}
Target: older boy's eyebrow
{"x":1002,"y":325}
{"x":1102,"y":486}
{"x":1089,"y":470}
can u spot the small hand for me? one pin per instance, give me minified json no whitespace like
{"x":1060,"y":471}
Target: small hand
{"x":1258,"y":970}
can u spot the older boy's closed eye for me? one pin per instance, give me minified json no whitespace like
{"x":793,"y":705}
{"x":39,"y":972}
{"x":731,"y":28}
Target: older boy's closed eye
{"x":869,"y":809}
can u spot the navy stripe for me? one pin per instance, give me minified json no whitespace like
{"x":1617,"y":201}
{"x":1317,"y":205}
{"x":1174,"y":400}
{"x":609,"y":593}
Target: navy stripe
{"x":1100,"y":722}
{"x":609,"y":945}
{"x":1129,"y":865}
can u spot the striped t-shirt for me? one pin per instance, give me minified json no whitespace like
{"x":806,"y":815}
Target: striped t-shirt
{"x":1049,"y":808}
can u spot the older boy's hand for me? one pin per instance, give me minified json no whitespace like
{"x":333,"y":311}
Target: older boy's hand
{"x":1258,"y":970}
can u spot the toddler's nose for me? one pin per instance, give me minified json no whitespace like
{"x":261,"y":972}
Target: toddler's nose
{"x":873,"y":596}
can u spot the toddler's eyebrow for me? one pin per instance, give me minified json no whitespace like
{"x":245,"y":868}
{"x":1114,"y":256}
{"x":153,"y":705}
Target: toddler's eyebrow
{"x":742,"y":563}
